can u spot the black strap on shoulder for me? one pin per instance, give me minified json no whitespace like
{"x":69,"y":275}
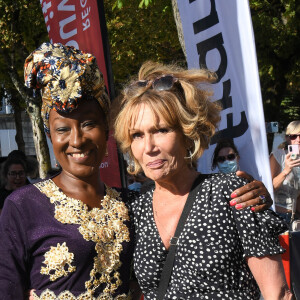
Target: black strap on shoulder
{"x":168,"y":267}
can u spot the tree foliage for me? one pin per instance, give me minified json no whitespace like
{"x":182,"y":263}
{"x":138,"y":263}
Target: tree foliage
{"x":142,"y":30}
{"x":276,"y":26}
{"x":22,"y":29}
{"x":137,"y":34}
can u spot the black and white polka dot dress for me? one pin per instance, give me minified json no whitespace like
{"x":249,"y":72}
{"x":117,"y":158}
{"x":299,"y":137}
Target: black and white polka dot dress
{"x":210,"y":259}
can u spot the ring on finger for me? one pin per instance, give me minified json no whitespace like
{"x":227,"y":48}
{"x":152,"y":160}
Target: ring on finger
{"x":263,"y":199}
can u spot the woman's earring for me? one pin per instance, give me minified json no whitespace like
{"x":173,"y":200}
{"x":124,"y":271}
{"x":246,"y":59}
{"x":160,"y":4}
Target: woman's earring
{"x":106,"y":152}
{"x":131,"y":166}
{"x":190,"y":153}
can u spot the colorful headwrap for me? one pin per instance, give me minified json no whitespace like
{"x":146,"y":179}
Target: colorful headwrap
{"x":64,"y":75}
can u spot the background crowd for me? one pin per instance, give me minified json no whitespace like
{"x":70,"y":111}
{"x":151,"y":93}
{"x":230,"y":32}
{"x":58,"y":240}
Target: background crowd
{"x":73,"y":236}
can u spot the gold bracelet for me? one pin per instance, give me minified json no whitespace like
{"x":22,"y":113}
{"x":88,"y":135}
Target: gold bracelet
{"x":285,"y":174}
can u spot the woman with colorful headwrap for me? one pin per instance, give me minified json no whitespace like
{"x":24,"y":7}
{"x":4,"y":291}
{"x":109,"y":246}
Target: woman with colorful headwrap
{"x":50,"y":241}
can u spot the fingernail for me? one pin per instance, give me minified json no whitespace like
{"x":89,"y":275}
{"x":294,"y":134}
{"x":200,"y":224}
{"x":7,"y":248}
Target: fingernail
{"x":232,"y":202}
{"x":253,"y":208}
{"x":233,"y":195}
{"x":239,"y":206}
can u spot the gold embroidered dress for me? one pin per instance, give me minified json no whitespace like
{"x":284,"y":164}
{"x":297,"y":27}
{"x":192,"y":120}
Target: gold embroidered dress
{"x":65,"y":250}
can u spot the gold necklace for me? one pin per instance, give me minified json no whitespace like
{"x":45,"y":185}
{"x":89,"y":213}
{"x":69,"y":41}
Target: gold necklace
{"x":156,"y":218}
{"x":165,"y":231}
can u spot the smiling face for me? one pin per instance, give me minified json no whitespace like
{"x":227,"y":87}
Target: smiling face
{"x":79,"y":139}
{"x":159,"y":149}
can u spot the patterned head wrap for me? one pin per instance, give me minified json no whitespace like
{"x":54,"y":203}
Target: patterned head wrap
{"x":64,"y":76}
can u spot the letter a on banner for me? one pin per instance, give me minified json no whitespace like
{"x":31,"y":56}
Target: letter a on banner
{"x":81,"y":24}
{"x":218,"y":35}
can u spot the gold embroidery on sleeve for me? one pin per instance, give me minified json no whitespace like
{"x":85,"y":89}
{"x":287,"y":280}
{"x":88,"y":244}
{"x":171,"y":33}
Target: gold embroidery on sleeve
{"x":104,"y":226}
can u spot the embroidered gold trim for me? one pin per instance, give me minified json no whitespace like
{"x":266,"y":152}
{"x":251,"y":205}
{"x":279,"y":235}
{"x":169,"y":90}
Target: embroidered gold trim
{"x":104,"y":226}
{"x":66,"y":295}
{"x":56,"y":260}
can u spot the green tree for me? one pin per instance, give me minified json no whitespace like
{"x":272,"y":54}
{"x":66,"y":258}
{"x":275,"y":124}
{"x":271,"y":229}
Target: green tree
{"x":142,"y":30}
{"x":137,"y":34}
{"x":22,"y":30}
{"x":276,"y":26}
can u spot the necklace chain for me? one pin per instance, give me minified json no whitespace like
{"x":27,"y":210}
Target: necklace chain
{"x":169,"y":235}
{"x":163,"y":204}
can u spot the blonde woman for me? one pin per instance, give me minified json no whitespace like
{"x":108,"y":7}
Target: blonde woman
{"x":165,"y":123}
{"x":285,"y":171}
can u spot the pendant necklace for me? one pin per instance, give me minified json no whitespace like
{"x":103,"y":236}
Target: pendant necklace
{"x":157,"y":219}
{"x":162,"y":227}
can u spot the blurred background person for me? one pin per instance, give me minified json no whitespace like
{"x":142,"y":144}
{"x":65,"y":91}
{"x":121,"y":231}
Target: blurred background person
{"x":32,"y":169}
{"x":285,"y":174}
{"x":14,"y":175}
{"x":226,"y":156}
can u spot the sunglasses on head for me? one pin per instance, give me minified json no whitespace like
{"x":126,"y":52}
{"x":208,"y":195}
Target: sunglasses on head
{"x":221,"y":159}
{"x":162,"y":83}
{"x":293,"y":136}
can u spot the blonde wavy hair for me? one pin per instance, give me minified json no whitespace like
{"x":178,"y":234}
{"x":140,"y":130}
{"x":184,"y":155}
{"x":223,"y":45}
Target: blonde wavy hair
{"x":185,"y":107}
{"x":293,"y":128}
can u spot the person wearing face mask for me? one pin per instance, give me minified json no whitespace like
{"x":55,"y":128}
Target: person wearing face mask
{"x":285,"y":174}
{"x":226,"y":157}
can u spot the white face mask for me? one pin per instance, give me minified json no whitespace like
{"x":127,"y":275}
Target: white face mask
{"x":228,"y":166}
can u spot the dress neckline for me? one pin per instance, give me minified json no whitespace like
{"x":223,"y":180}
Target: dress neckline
{"x":104,"y":226}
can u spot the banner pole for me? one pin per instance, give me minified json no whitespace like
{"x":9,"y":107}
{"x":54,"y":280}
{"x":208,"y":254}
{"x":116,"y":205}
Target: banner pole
{"x":111,"y":87}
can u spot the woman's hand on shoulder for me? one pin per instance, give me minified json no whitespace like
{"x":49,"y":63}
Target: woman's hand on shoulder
{"x":253,"y":194}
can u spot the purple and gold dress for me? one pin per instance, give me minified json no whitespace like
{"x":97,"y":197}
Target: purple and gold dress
{"x":56,"y":245}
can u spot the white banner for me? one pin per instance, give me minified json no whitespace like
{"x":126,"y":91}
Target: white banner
{"x":219,"y":36}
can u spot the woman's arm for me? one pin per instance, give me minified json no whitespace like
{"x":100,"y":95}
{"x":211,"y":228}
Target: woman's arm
{"x":279,"y":176}
{"x":269,"y":275}
{"x":248,"y":195}
{"x":13,"y":253}
{"x":136,"y":292}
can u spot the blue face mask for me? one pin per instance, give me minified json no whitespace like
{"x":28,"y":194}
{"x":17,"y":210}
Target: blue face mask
{"x":228,"y":166}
